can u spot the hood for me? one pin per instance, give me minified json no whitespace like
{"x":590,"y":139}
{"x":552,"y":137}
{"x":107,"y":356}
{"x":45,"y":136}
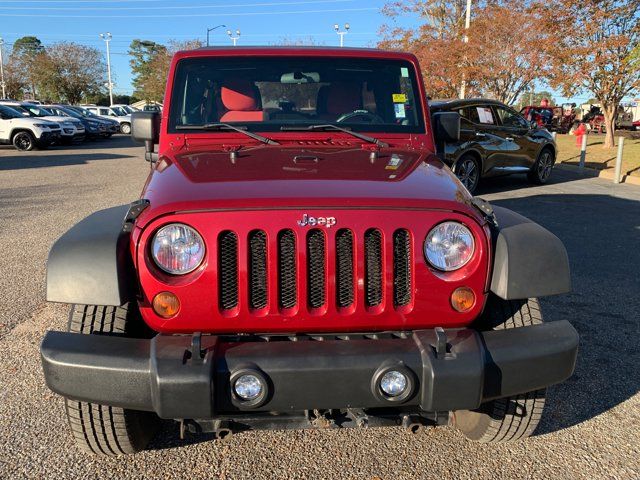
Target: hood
{"x":289,"y":177}
{"x":57,"y":119}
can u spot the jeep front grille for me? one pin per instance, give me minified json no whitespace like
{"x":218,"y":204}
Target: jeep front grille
{"x":228,"y":269}
{"x":314,"y":270}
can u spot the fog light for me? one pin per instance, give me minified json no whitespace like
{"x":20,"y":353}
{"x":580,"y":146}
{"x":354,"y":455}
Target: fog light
{"x":393,"y":383}
{"x":463,"y":299}
{"x":166,"y":304}
{"x":248,"y":387}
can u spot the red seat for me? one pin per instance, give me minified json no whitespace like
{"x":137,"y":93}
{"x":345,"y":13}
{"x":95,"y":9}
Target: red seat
{"x":338,"y":98}
{"x":241,"y":99}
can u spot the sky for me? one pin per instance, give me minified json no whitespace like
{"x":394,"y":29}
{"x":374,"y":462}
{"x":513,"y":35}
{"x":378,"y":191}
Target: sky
{"x":261,"y":22}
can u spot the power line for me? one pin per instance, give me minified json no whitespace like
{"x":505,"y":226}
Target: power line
{"x":244,"y":14}
{"x":183,"y":7}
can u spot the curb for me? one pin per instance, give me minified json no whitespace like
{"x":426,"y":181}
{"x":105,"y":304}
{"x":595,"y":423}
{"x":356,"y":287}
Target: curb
{"x":604,"y":174}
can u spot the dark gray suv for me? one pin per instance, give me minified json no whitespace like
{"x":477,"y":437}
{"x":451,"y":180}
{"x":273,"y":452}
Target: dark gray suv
{"x":495,"y":140}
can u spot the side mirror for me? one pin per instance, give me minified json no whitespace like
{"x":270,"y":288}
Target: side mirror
{"x":446,"y":126}
{"x":145,"y":128}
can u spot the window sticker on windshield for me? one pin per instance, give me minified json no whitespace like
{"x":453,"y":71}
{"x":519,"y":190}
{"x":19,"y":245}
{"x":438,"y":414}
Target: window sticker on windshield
{"x":399,"y":98}
{"x":394,"y":162}
{"x":399,"y":110}
{"x":404,"y":72}
{"x":485,"y":115}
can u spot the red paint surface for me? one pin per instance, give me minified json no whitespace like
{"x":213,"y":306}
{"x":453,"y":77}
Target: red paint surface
{"x":325,"y":174}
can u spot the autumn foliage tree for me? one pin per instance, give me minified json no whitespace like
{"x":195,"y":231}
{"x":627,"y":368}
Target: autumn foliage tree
{"x":499,"y":60}
{"x":598,"y":53}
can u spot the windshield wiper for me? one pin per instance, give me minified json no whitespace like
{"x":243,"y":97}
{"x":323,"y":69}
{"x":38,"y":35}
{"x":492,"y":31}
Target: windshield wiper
{"x":329,"y":126}
{"x":226,"y":126}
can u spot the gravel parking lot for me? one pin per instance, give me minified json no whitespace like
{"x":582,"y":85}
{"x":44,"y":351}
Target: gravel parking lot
{"x":590,"y":427}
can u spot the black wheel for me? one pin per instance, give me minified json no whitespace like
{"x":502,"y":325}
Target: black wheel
{"x":542,"y":168}
{"x":102,"y":429}
{"x":125,"y":128}
{"x":511,"y":418}
{"x":467,"y":169}
{"x":24,"y":141}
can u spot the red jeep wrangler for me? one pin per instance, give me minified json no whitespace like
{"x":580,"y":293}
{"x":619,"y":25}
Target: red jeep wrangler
{"x":300,"y":257}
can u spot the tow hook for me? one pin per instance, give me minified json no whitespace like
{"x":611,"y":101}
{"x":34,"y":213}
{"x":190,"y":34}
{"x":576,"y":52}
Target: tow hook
{"x":412,"y":424}
{"x":320,"y":419}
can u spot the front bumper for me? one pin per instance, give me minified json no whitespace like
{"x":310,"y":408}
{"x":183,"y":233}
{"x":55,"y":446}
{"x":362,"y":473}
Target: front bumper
{"x":167,"y":375}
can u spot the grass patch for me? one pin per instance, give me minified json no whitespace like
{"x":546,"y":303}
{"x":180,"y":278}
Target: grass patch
{"x":598,"y":157}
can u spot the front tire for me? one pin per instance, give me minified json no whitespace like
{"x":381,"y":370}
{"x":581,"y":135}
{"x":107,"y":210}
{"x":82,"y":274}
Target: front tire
{"x":542,"y":168}
{"x":467,"y":169}
{"x":101,"y":429}
{"x":125,"y":128}
{"x":512,"y":418}
{"x":24,"y":141}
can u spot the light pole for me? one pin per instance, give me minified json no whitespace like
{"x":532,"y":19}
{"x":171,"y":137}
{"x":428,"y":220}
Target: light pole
{"x":234,"y":38}
{"x":342,"y":33}
{"x":467,"y":24}
{"x":211,"y":30}
{"x":107,"y":38}
{"x":2,"y":69}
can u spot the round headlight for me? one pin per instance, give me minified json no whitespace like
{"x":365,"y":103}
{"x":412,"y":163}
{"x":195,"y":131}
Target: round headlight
{"x":177,"y":249}
{"x":449,"y":246}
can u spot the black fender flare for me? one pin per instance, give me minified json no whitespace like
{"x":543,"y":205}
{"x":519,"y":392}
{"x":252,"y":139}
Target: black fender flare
{"x":91,"y":263}
{"x":528,"y":261}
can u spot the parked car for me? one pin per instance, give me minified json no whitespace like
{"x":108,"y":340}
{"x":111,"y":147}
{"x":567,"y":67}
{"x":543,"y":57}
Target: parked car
{"x":94,"y":127}
{"x":72,"y":130}
{"x":113,"y":126}
{"x":495,"y":140}
{"x":636,"y":125}
{"x":305,"y":261}
{"x":26,"y":133}
{"x":116,"y":113}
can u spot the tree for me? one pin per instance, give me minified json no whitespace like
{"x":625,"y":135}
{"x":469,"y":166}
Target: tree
{"x":495,"y":61}
{"x":143,"y":57}
{"x":152,"y":64}
{"x":598,"y":55}
{"x":68,"y":71}
{"x":23,"y":59}
{"x":437,"y":41}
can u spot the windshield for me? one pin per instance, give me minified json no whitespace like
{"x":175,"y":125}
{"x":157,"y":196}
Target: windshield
{"x":128,"y":109}
{"x":9,"y":112}
{"x":69,"y":112}
{"x":82,"y":111}
{"x":119,"y":111}
{"x":274,"y":93}
{"x":37,"y":111}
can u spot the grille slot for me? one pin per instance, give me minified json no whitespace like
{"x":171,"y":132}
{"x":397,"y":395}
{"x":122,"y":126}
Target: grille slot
{"x":316,"y":273}
{"x":257,"y":269}
{"x":373,"y":267}
{"x":402,"y":287}
{"x":228,"y":269}
{"x":287,"y":285}
{"x":344,"y":268}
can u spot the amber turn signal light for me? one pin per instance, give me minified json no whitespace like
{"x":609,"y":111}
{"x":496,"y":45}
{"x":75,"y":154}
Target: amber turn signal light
{"x":463,"y":299}
{"x":166,"y":304}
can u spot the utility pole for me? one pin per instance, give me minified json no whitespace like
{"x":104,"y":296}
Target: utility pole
{"x":467,"y":24}
{"x":211,"y":30}
{"x":342,"y":33}
{"x":2,"y":69}
{"x":107,"y":38}
{"x":233,"y":38}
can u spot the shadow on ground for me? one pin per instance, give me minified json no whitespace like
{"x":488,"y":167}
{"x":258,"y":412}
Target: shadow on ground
{"x":31,"y":161}
{"x":602,"y":236}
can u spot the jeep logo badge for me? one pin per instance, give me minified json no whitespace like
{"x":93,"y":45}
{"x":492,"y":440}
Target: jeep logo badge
{"x":309,"y":221}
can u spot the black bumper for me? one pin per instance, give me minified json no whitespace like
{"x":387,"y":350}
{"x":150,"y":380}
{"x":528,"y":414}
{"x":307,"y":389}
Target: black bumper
{"x":166,"y":374}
